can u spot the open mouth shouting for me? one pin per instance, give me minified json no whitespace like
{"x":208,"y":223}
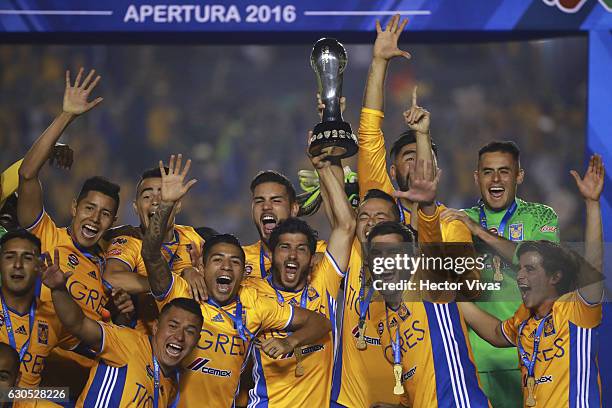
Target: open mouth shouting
{"x":174,"y":350}
{"x":268,"y":223}
{"x":224,"y":284}
{"x":89,"y":231}
{"x":525,"y":290}
{"x":497,"y":192}
{"x":291,"y":271}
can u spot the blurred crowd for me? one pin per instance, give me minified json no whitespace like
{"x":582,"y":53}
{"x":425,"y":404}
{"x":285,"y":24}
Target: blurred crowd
{"x":236,"y":110}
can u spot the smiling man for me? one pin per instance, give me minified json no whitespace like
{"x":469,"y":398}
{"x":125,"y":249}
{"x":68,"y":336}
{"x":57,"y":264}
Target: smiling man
{"x":131,"y":369}
{"x":273,"y":201}
{"x":233,"y":315}
{"x":125,"y":267}
{"x":500,"y":222}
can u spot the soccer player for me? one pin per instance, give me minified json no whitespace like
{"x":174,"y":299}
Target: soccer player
{"x":29,"y":324}
{"x":426,"y":342}
{"x":94,"y":210}
{"x":125,"y":267}
{"x":303,"y":376}
{"x":499,"y":222}
{"x":132,"y":369}
{"x":371,"y":162}
{"x":555,"y":328}
{"x":273,"y":201}
{"x":234,"y":315}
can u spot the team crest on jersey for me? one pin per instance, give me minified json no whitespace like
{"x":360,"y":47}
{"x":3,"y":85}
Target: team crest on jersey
{"x":73,"y":260}
{"x":549,"y":327}
{"x":119,"y":241}
{"x":218,"y":318}
{"x":248,"y":269}
{"x":516,"y":232}
{"x":312,"y":293}
{"x":21,"y":330}
{"x":43,"y":333}
{"x":403,"y":312}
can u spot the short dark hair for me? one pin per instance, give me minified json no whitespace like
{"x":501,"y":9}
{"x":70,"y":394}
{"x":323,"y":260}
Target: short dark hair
{"x":206,"y":232}
{"x":293,"y":225}
{"x":391,"y":227}
{"x":406,"y":138}
{"x":506,"y":146}
{"x":271,"y":176}
{"x":187,"y":304}
{"x":153,"y":172}
{"x":554,"y":258}
{"x":13,"y":355}
{"x":221,"y":239}
{"x":22,"y":234}
{"x":101,"y":185}
{"x":376,"y":193}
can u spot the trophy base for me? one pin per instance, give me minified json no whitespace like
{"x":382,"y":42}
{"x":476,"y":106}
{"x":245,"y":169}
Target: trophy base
{"x":334,"y":138}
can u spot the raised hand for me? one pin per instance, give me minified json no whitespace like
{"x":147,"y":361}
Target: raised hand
{"x":385,"y":46}
{"x":416,"y":117}
{"x":173,"y":186}
{"x":423,"y":183}
{"x":122,"y":301}
{"x":591,"y":185}
{"x":53,"y":277}
{"x":76,"y":96}
{"x":321,"y":161}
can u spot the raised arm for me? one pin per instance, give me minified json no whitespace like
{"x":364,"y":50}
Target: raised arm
{"x":590,"y":187}
{"x":119,"y":275}
{"x":371,"y":157}
{"x":172,"y":190}
{"x":307,"y":327}
{"x":30,"y":203}
{"x":343,"y":227}
{"x":486,"y":326}
{"x":68,"y":311}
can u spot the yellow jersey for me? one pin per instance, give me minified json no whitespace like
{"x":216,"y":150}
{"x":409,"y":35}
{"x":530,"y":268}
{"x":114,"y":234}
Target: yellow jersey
{"x":123,"y":375}
{"x":213,"y":368}
{"x":372,"y":170}
{"x":360,"y":377}
{"x":258,"y":262}
{"x":85,"y":285}
{"x":45,"y":334}
{"x":437,"y":363}
{"x":276,"y":385}
{"x":127,"y":250}
{"x":566,"y":369}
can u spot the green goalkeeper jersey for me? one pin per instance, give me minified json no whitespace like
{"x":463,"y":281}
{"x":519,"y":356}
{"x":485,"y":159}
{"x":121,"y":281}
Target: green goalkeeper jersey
{"x":525,"y":222}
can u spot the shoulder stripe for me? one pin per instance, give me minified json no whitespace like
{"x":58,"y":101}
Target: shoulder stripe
{"x":501,"y":325}
{"x":334,"y":263}
{"x":38,"y":219}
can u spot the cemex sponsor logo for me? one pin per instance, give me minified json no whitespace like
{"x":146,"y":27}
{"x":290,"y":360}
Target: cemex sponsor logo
{"x":369,"y":340}
{"x":200,"y":364}
{"x":409,"y":374}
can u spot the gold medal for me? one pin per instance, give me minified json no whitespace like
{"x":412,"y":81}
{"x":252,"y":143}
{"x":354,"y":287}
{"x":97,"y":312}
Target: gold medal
{"x":498,"y":276}
{"x":397,"y":372}
{"x":361,"y":343}
{"x":299,"y":368}
{"x":530,"y":402}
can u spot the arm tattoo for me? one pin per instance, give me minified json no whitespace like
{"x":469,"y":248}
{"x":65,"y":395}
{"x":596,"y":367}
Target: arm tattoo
{"x":158,"y":271}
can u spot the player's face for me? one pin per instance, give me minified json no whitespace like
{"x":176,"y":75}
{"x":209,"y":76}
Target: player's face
{"x":9,"y":371}
{"x":370,"y":213}
{"x":535,"y":285}
{"x":92,"y":217}
{"x":175,"y":335}
{"x":291,"y":260}
{"x":148,"y":200}
{"x":498,"y":176}
{"x":270,"y":206}
{"x":387,"y":249}
{"x":20,"y":263}
{"x":223,"y":272}
{"x":400,"y":170}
